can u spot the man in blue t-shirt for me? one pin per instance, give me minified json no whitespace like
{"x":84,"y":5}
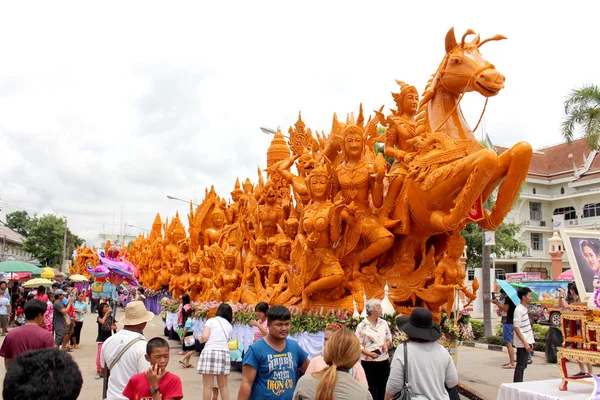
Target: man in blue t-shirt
{"x":271,"y":365}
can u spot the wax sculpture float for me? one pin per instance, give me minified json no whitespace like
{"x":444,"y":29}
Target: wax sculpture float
{"x":344,"y":222}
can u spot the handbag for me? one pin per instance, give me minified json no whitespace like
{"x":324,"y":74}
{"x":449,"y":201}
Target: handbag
{"x":404,"y":393}
{"x":233,"y":344}
{"x":189,"y":341}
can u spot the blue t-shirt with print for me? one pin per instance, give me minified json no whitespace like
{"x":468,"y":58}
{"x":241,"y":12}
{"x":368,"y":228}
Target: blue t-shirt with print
{"x":276,"y":371}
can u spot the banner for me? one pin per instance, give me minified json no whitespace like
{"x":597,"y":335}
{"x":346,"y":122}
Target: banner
{"x":490,"y":238}
{"x":558,"y":221}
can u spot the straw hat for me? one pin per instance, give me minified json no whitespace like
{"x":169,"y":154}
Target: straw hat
{"x":135,"y":314}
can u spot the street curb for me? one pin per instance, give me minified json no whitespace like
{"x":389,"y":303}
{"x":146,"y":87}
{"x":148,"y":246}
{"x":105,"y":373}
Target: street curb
{"x":496,"y":347}
{"x":469,"y":393}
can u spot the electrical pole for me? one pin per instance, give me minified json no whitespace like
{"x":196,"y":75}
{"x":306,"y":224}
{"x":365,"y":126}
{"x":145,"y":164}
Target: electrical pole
{"x":485,"y":275}
{"x":64,"y":254}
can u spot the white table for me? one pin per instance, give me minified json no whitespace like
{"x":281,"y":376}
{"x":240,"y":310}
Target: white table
{"x":544,"y":390}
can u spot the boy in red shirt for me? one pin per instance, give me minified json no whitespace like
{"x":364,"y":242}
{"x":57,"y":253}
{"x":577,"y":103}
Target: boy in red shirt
{"x":156,"y":383}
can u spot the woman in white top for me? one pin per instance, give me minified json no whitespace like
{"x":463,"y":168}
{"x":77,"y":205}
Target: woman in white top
{"x":375,"y":339}
{"x":215,"y":359}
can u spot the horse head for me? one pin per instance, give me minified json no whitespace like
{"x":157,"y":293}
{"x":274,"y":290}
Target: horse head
{"x":465,"y":70}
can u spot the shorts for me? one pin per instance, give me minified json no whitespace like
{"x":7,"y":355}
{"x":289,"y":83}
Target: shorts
{"x":59,"y":334}
{"x":214,"y":362}
{"x":4,"y":321}
{"x":508,"y":331}
{"x":70,"y":329}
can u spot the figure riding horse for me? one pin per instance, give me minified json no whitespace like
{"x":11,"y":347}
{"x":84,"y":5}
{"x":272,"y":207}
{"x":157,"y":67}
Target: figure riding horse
{"x":452,"y":175}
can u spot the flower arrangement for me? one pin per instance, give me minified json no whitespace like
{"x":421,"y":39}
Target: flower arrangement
{"x":457,"y":327}
{"x":169,"y":305}
{"x":243,"y":314}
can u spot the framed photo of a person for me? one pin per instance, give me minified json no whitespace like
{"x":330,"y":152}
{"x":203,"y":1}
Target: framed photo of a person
{"x":583,"y":250}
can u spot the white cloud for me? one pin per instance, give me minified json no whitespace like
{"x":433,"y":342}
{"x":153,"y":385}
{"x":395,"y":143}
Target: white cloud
{"x":121,"y":103}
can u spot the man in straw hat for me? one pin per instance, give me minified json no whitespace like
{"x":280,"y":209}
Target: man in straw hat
{"x":123,"y":354}
{"x":430,"y":367}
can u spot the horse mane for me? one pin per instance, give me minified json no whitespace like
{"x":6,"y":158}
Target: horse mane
{"x":422,"y":120}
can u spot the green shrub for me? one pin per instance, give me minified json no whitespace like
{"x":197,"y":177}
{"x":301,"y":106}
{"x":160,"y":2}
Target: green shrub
{"x":497,"y":340}
{"x":539,"y":333}
{"x":478,"y":330}
{"x":498,"y":331}
{"x":539,"y":346}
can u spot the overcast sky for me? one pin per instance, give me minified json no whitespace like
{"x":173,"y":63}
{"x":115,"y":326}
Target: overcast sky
{"x":114,"y":107}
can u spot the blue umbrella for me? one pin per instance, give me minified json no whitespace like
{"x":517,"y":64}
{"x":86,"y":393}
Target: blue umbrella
{"x":509,"y":290}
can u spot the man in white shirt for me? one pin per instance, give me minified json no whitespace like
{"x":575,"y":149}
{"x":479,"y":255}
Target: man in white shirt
{"x":523,"y":339}
{"x":132,"y":360}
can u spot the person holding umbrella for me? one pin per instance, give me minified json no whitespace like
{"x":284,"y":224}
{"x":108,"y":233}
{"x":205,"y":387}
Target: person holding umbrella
{"x":508,"y":311}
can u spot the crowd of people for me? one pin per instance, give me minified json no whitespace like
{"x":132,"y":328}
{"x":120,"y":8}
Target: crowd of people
{"x":353,"y":365}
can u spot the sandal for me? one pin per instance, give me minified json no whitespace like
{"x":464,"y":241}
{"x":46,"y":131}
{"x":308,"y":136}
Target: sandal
{"x":508,"y":366}
{"x":180,"y":362}
{"x":76,"y":347}
{"x":186,"y":365}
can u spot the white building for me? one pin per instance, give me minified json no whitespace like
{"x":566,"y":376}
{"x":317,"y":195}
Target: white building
{"x":562,"y":180}
{"x":119,"y":240}
{"x":11,"y":246}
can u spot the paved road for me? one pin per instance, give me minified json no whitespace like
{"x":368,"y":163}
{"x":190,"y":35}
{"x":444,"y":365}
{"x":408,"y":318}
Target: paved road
{"x":479,"y":369}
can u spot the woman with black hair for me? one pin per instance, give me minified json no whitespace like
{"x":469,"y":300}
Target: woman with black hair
{"x":260,"y":326}
{"x":215,"y":359}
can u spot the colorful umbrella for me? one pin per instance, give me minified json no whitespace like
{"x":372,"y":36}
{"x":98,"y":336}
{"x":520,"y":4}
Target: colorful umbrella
{"x":36,"y":282}
{"x":509,"y":290}
{"x":78,"y":278}
{"x":18,"y":266}
{"x":47,"y":273}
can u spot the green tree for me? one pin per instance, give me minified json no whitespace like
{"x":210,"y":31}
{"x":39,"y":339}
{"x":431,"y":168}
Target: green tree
{"x":19,"y":221}
{"x":506,"y":242}
{"x":45,"y":239}
{"x":582,"y":108}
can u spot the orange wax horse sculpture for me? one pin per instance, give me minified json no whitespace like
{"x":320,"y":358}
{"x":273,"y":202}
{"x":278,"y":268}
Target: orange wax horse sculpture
{"x":345,"y":222}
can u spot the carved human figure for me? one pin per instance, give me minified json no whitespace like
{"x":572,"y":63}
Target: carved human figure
{"x":353,"y":178}
{"x":401,"y":128}
{"x":213,"y":235}
{"x":450,"y":272}
{"x":319,"y":268}
{"x":230,"y":277}
{"x":193,"y":280}
{"x":233,"y":208}
{"x":270,"y":214}
{"x":259,"y":259}
{"x":281,"y":261}
{"x":305,"y":164}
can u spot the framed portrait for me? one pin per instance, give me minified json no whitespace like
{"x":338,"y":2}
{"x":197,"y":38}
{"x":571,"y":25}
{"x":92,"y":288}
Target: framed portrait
{"x":583,"y":251}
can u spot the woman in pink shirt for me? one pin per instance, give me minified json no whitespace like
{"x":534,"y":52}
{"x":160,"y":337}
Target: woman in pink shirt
{"x":260,"y":326}
{"x":319,"y":364}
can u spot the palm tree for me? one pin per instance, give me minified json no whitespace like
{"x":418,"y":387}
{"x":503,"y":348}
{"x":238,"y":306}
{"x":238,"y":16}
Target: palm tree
{"x":582,"y":108}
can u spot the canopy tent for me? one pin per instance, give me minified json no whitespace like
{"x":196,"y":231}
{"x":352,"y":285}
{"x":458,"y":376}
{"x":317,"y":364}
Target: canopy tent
{"x":566,"y":276}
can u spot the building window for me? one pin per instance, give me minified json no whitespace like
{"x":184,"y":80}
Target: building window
{"x":500,"y":273}
{"x":537,"y":241}
{"x":562,"y":190}
{"x":535,"y":211}
{"x":470,"y":274}
{"x":534,"y":191}
{"x":591,"y":210}
{"x":568,"y":212}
